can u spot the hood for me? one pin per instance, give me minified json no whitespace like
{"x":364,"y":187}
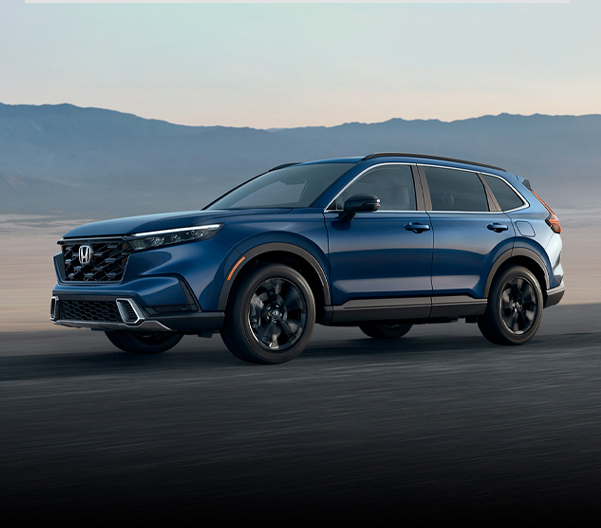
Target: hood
{"x":157,"y":222}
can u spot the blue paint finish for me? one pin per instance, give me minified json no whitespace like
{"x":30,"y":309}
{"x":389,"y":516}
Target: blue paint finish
{"x":524,"y":228}
{"x":155,"y":291}
{"x":148,"y":223}
{"x":197,"y":263}
{"x":465,"y":250}
{"x":536,"y":215}
{"x":376,"y":256}
{"x":553,"y":250}
{"x":534,"y":246}
{"x":303,"y":228}
{"x":372,"y":256}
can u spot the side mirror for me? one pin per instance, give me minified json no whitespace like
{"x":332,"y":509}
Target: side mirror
{"x":359,"y":203}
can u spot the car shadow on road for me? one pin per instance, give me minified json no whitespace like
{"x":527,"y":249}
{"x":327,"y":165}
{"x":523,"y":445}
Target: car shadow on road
{"x":194,"y":356}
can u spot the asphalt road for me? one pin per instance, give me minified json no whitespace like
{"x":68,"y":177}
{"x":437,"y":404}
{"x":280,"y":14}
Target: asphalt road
{"x":439,"y":422}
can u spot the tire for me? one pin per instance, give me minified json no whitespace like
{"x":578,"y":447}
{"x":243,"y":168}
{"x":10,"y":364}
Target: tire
{"x":385,"y":331}
{"x":271,"y":316}
{"x":515,"y":308}
{"x":144,"y":342}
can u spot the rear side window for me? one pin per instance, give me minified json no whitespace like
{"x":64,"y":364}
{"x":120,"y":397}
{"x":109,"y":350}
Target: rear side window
{"x":455,"y":190}
{"x":505,"y":195}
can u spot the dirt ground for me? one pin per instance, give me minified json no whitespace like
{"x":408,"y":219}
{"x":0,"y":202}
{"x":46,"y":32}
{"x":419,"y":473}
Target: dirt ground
{"x":29,"y":243}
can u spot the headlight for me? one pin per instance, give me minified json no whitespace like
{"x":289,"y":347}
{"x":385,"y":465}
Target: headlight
{"x":154,"y":239}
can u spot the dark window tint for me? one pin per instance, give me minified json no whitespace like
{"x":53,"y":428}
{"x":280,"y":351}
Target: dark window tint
{"x":296,"y":186}
{"x":455,"y":190}
{"x":392,"y":184}
{"x":504,"y":194}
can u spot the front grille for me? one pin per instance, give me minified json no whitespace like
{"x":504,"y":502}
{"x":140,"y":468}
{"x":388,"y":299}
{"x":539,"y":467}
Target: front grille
{"x":107,"y":264}
{"x":102,"y":311}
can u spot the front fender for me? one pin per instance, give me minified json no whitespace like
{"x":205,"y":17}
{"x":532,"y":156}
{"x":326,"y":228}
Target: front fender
{"x":302,"y":248}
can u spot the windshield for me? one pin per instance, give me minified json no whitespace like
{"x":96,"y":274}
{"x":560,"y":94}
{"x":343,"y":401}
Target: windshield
{"x":294,"y":186}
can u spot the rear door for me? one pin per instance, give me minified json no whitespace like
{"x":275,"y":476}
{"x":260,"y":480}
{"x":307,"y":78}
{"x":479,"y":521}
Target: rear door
{"x":469,"y":234}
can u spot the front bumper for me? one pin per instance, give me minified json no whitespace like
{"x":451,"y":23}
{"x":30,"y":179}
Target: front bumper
{"x":123,"y":313}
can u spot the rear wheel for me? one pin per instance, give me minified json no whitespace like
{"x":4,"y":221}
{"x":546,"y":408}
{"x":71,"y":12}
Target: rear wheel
{"x":271,"y":317}
{"x":515,"y":307}
{"x":385,"y":331}
{"x":144,"y":342}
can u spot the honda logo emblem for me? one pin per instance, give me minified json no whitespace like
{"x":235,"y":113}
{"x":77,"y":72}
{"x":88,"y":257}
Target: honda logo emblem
{"x":85,"y":254}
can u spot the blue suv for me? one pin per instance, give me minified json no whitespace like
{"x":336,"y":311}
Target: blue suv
{"x":381,"y":242}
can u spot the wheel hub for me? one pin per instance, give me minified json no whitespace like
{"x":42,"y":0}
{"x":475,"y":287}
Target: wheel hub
{"x":275,"y":312}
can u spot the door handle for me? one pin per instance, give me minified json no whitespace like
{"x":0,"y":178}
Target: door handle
{"x":497,"y":228}
{"x":416,"y":227}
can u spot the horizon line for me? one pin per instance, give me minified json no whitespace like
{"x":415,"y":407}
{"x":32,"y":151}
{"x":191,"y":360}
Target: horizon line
{"x":276,"y":129}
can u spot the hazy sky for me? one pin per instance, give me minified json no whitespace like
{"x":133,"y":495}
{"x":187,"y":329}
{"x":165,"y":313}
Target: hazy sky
{"x":270,"y":65}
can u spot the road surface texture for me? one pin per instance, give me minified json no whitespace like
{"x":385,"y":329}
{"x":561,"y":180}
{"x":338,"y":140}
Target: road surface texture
{"x":439,"y":422}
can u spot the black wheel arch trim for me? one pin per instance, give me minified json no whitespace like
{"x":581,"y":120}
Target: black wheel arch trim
{"x":511,"y":253}
{"x":283,"y":247}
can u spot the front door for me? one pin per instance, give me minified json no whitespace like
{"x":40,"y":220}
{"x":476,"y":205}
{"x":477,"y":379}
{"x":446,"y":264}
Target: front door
{"x":385,"y":253}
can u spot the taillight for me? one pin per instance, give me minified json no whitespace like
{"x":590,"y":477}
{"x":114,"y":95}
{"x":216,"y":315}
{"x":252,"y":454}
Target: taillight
{"x":552,"y":219}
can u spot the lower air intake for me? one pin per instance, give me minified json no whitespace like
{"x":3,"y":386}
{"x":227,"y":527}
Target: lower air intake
{"x":98,"y":311}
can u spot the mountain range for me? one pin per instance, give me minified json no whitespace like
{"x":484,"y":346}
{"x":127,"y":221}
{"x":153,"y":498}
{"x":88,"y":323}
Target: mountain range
{"x":67,"y":160}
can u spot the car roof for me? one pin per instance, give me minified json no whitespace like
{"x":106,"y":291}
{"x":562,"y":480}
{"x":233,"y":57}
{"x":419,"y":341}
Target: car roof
{"x":410,"y":158}
{"x":423,"y":159}
{"x":430,"y":158}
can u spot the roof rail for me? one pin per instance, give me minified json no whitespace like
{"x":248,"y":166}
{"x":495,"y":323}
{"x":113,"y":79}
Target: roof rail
{"x":284,"y":166}
{"x":395,"y":154}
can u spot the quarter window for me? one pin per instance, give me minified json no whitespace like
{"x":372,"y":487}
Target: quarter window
{"x":505,"y":195}
{"x":455,"y":190}
{"x":392,"y":184}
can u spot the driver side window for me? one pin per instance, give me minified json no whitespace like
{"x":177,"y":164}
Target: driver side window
{"x":392,"y":184}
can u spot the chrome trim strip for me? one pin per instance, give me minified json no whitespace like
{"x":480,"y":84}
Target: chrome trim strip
{"x":525,"y":206}
{"x":382,"y":212}
{"x":359,"y":176}
{"x":526,"y":202}
{"x":211,"y":227}
{"x":55,"y":313}
{"x":404,"y":302}
{"x":135,"y":308}
{"x":557,"y":289}
{"x":554,"y":295}
{"x":91,"y":238}
{"x":457,"y":300}
{"x":394,"y":302}
{"x":100,"y":325}
{"x":89,"y":283}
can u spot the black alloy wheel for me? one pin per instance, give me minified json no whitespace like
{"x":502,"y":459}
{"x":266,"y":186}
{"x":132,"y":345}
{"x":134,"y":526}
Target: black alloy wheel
{"x":278,"y":314}
{"x":271,"y":317}
{"x":515,"y":306}
{"x":518,"y":305}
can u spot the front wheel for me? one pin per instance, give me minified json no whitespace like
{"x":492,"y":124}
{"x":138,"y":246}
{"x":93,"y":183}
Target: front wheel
{"x":143,"y":342}
{"x":271,"y":317}
{"x":515,"y":308}
{"x":385,"y":331}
